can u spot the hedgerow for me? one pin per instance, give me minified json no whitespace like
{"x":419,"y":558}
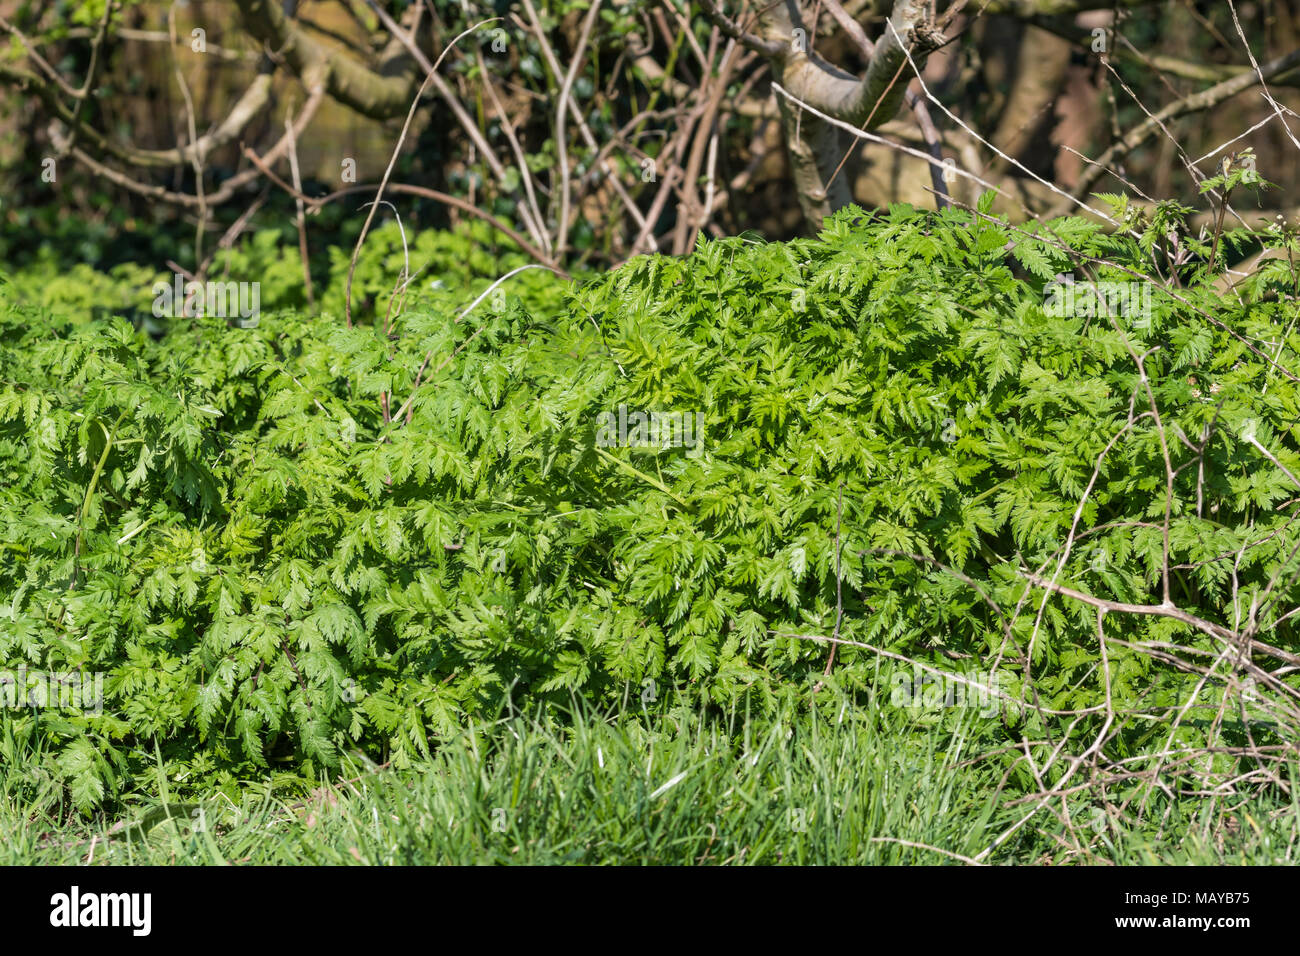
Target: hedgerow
{"x":289,"y":542}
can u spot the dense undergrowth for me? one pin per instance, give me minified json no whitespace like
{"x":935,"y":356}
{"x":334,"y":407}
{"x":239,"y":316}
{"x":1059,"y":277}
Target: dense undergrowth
{"x":291,"y":543}
{"x":675,"y":786}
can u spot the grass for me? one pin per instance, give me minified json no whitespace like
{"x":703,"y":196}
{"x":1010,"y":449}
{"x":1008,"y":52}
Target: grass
{"x":681,"y":786}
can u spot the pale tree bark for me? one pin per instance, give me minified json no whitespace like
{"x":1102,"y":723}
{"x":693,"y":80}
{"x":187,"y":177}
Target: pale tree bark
{"x":816,"y":148}
{"x":378,"y":95}
{"x":779,"y":29}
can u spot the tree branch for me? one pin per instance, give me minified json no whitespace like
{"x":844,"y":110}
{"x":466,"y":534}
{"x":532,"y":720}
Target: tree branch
{"x":1203,"y":100}
{"x":371,"y":94}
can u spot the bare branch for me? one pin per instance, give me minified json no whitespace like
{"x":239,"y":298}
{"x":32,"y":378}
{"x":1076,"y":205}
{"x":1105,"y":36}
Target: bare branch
{"x":1203,"y":100}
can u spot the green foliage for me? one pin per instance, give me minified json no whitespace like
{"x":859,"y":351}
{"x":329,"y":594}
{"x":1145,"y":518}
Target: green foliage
{"x":275,"y":569}
{"x":838,"y":785}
